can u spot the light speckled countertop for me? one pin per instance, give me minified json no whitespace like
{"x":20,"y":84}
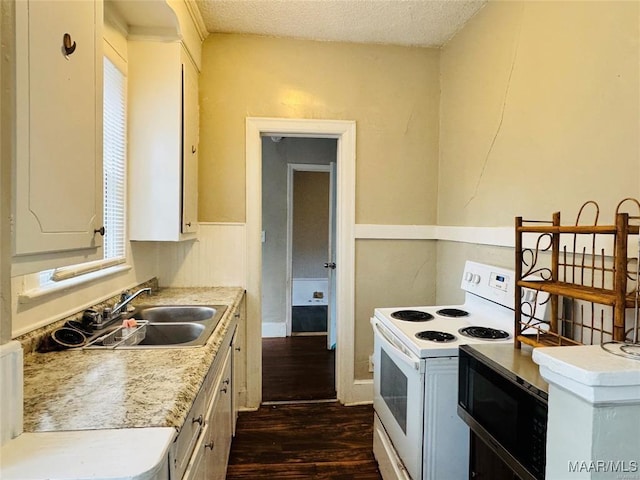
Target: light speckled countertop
{"x":102,"y":389}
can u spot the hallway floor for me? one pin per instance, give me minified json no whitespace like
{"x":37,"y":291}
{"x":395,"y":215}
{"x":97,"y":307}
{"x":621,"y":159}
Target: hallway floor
{"x":297,"y":368}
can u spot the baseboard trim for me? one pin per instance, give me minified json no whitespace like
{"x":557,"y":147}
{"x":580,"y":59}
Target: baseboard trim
{"x":308,"y":334}
{"x":274,"y":330}
{"x":361,"y":393}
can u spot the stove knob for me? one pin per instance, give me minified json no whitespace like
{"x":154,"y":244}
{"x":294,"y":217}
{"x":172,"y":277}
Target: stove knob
{"x":468,"y":276}
{"x":476,"y":278}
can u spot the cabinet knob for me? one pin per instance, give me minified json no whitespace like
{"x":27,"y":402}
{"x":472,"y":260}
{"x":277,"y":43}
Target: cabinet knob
{"x":68,"y":45}
{"x":209,"y":445}
{"x":100,"y":230}
{"x":238,"y":349}
{"x":193,"y":149}
{"x":223,"y":389}
{"x":197,"y":420}
{"x":188,"y":224}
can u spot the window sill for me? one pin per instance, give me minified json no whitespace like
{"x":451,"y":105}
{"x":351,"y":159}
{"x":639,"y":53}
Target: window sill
{"x":30,"y":296}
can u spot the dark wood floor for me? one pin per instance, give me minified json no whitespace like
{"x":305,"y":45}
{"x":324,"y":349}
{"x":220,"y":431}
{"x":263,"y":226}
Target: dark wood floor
{"x":297,"y":368}
{"x":323,"y":441}
{"x":296,"y":441}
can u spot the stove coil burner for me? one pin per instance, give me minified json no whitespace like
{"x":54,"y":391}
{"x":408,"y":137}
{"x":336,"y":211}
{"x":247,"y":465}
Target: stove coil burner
{"x":435,"y":336}
{"x":412,"y":315}
{"x":452,"y":312}
{"x":485,"y":333}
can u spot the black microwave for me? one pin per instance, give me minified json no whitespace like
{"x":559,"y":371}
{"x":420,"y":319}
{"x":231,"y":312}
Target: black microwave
{"x":505,"y":410}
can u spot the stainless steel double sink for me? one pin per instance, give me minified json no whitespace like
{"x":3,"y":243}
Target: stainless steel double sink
{"x":162,"y":326}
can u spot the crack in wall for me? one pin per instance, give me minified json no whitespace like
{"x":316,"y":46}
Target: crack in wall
{"x":419,"y":269}
{"x":504,"y":107}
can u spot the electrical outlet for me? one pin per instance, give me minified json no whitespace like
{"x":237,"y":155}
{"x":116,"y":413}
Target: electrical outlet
{"x":371,"y":363}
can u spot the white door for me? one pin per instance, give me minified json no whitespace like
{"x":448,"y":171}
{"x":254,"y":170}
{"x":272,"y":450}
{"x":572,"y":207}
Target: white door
{"x":331,"y":264}
{"x":320,"y":257}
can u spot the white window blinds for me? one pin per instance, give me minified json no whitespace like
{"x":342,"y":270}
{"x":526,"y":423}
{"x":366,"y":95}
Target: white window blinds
{"x":114,"y":159}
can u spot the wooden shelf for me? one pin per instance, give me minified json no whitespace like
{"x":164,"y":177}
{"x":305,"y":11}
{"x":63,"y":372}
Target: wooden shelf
{"x":611,"y":270}
{"x":547,"y":340}
{"x":580,"y":292}
{"x":576,"y":229}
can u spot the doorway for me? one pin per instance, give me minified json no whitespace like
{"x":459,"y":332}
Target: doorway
{"x":311,"y":241}
{"x":349,"y":390}
{"x":298,"y":234}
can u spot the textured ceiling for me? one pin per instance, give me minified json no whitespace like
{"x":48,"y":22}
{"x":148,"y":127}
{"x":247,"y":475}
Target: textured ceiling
{"x":426,"y":23}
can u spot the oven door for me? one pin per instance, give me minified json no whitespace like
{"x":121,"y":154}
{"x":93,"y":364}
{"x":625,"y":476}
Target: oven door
{"x":398,"y":396}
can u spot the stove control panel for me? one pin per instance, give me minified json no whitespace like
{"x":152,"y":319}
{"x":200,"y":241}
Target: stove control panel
{"x":490,"y":282}
{"x":498,"y":285}
{"x":499,"y":281}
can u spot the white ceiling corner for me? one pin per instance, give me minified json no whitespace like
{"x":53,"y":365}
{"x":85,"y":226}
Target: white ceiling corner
{"x":424,"y":23}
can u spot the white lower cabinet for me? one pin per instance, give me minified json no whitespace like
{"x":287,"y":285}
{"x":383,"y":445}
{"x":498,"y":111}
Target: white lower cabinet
{"x":219,"y":426}
{"x":201,"y":450}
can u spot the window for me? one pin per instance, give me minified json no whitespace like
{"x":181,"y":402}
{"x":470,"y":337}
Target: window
{"x":114,"y":180}
{"x":115,"y":135}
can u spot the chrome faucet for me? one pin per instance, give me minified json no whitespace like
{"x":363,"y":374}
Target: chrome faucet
{"x":115,"y":312}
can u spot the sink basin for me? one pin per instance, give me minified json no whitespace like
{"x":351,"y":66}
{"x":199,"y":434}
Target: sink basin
{"x":172,"y":333}
{"x":170,"y":326}
{"x":175,"y":313}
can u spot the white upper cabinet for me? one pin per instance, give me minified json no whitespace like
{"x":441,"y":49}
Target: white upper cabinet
{"x":163,"y":146}
{"x":191,"y":115}
{"x":58,"y":170}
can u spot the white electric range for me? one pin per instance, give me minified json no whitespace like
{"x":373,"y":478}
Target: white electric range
{"x":417,"y":433}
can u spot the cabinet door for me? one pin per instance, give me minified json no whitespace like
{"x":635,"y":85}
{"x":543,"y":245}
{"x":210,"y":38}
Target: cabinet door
{"x":239,"y":363}
{"x":218,"y":442}
{"x":163,"y":126}
{"x":59,"y":126}
{"x":197,"y":465}
{"x":191,"y":123}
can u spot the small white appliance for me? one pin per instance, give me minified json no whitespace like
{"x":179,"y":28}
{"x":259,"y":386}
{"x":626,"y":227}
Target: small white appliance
{"x":417,"y":432}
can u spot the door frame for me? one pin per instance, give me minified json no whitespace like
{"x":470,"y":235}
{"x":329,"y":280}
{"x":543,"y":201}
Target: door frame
{"x":348,"y":390}
{"x":291,"y":169}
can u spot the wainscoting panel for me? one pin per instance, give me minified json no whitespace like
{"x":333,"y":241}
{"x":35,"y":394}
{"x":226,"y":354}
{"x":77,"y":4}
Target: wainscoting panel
{"x":217,"y":258}
{"x":219,"y":255}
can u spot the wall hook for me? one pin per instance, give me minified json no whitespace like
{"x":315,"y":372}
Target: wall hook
{"x":68,"y":45}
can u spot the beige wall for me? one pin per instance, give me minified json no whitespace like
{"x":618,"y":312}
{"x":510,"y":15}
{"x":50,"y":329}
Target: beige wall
{"x":393,"y":95}
{"x":539,"y":112}
{"x":6,"y":144}
{"x":389,"y":273}
{"x":391,"y":92}
{"x":310,"y":224}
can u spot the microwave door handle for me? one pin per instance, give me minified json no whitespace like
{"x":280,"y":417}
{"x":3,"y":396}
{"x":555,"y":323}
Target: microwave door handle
{"x":406,"y":356}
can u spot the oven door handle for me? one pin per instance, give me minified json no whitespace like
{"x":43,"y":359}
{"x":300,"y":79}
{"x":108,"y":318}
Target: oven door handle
{"x":404,"y":354}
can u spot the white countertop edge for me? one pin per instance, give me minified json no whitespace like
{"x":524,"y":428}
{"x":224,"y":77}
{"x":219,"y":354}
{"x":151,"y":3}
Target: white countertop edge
{"x":116,"y":454}
{"x":607,"y":394}
{"x":591,"y":373}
